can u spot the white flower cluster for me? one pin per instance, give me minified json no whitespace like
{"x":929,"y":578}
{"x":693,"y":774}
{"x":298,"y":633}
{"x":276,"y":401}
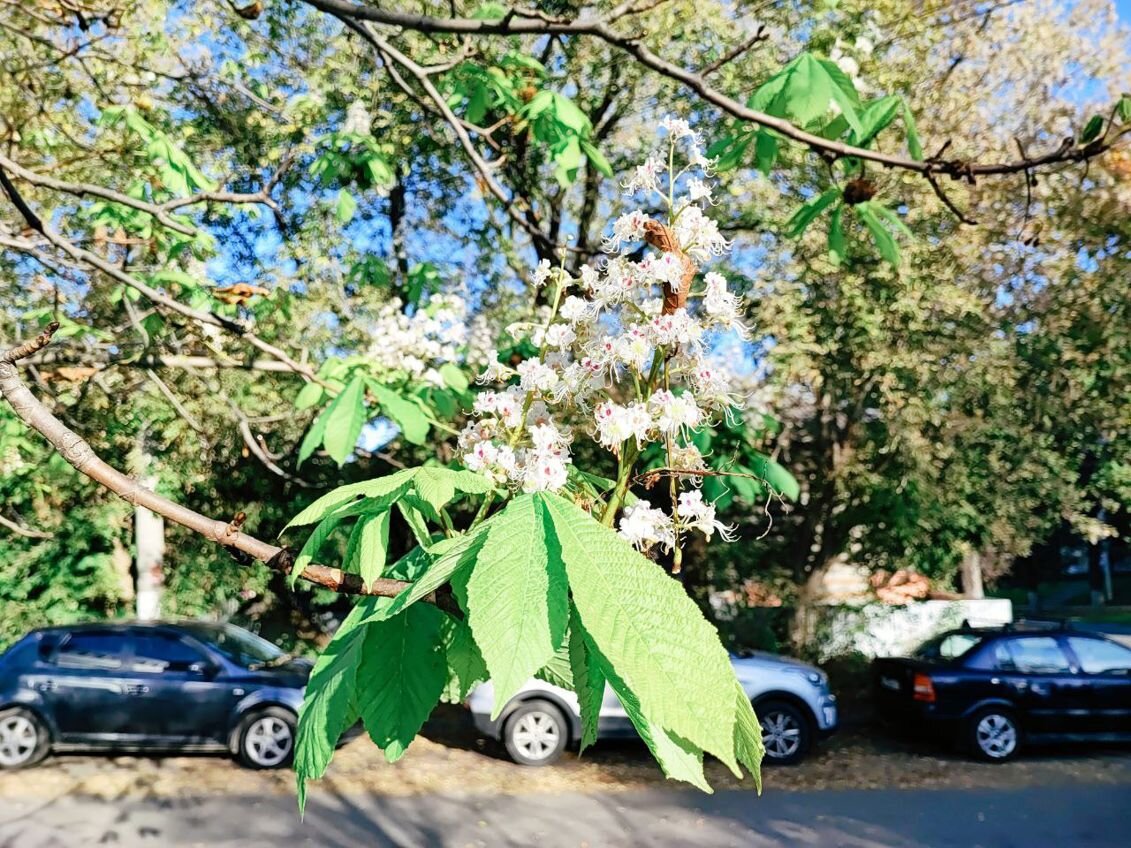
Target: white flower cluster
{"x":625,"y":354}
{"x":435,"y":333}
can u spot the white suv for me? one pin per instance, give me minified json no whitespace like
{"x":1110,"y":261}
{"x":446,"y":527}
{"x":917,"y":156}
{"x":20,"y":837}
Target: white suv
{"x":792,"y":700}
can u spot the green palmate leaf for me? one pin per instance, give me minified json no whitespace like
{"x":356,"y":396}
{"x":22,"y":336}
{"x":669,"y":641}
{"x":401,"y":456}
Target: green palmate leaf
{"x":434,"y":486}
{"x":729,"y":151}
{"x":765,"y":151}
{"x":517,"y":601}
{"x":648,"y":629}
{"x":805,"y":215}
{"x":776,"y":476}
{"x":836,"y":236}
{"x":313,"y":437}
{"x":310,"y":395}
{"x":380,"y":487}
{"x":1092,"y":129}
{"x":557,"y":670}
{"x":329,"y":702}
{"x":372,"y":532}
{"x":884,"y":240}
{"x":914,"y":146}
{"x":465,"y":666}
{"x":678,"y":758}
{"x":454,"y":377}
{"x":448,"y":557}
{"x":410,"y":566}
{"x":596,"y":158}
{"x":588,"y":679}
{"x":345,"y":416}
{"x":844,"y":94}
{"x":876,"y":117}
{"x":407,"y":415}
{"x":415,"y":519}
{"x":892,"y":218}
{"x":345,"y":207}
{"x":1123,"y":109}
{"x":312,"y":545}
{"x":401,"y":676}
{"x":748,"y":746}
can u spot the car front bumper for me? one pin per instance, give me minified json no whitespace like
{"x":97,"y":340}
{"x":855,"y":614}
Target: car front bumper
{"x":828,"y":716}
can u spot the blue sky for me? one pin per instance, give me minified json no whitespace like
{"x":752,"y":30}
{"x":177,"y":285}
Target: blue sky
{"x":1124,"y":7}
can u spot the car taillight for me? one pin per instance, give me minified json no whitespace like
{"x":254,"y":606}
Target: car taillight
{"x":923,"y":688}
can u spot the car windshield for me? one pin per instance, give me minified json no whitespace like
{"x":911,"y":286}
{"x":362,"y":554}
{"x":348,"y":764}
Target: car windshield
{"x":236,"y":644}
{"x":948,"y":647}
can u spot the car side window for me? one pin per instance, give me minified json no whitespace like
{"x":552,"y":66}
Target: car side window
{"x":1031,"y":655}
{"x":1098,"y":656}
{"x":104,"y":650}
{"x":159,"y":653}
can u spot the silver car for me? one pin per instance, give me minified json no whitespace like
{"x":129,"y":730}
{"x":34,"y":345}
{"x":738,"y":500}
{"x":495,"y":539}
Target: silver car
{"x":792,"y":700}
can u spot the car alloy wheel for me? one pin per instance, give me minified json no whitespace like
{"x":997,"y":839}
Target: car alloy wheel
{"x":19,"y":740}
{"x":268,"y":741}
{"x":536,"y":733}
{"x":785,"y":732}
{"x":996,"y":736}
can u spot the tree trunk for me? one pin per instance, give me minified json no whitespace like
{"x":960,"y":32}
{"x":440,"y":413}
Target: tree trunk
{"x":806,"y":616}
{"x":149,"y":534}
{"x":972,"y":586}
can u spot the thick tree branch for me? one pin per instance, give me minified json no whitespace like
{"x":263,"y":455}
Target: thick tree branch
{"x":75,"y":450}
{"x":21,"y":530}
{"x":524,"y":22}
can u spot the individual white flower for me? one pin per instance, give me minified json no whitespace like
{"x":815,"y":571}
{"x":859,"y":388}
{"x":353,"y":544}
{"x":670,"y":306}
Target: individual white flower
{"x":627,"y":228}
{"x":495,"y":372}
{"x":560,"y":336}
{"x":721,"y":305}
{"x":541,"y":273}
{"x":674,"y":413}
{"x":616,"y":424}
{"x":679,"y":327}
{"x":574,"y":309}
{"x":358,"y":120}
{"x":633,"y":348}
{"x":677,"y":128}
{"x":665,"y":269}
{"x":544,"y":472}
{"x":696,"y":514}
{"x":643,"y":525}
{"x":646,"y":177}
{"x":699,"y":235}
{"x":535,"y":376}
{"x":698,"y":190}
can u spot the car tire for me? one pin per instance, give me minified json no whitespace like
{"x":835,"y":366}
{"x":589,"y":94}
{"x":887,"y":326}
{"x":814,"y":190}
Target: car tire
{"x":266,"y":739}
{"x":24,"y":739}
{"x":536,"y":733}
{"x":787,"y":732}
{"x":993,"y":735}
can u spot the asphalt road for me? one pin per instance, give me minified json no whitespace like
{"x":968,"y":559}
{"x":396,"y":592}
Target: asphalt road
{"x":1060,"y":817}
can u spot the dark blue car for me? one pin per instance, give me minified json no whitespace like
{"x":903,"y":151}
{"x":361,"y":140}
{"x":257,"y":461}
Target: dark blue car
{"x":184,"y":686}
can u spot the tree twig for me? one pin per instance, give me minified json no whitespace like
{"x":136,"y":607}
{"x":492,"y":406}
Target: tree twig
{"x":76,"y":451}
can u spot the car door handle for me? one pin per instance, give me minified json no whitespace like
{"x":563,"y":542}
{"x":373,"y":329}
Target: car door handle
{"x":136,"y":689}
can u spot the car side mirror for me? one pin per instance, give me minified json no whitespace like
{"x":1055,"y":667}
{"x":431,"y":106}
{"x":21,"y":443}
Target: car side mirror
{"x":203,"y":669}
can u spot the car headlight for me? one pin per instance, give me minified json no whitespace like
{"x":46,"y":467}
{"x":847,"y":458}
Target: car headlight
{"x":817,"y":678}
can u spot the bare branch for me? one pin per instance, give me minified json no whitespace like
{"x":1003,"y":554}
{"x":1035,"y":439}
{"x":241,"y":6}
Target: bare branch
{"x":517,"y":22}
{"x":21,"y":530}
{"x":732,"y":54}
{"x":75,"y":450}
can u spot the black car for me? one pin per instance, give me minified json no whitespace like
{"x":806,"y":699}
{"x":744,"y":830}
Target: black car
{"x":994,"y":689}
{"x":185,"y":686}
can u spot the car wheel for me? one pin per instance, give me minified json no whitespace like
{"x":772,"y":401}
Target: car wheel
{"x":786,"y":734}
{"x":994,"y":735}
{"x":24,"y":739}
{"x":267,"y":739}
{"x":536,"y":733}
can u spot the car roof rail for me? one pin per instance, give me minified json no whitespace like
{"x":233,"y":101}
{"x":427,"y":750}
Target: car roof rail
{"x":1040,"y":624}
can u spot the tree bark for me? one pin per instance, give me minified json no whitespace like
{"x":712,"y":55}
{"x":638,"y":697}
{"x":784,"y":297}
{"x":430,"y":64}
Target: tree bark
{"x":149,"y":536}
{"x":972,"y":585}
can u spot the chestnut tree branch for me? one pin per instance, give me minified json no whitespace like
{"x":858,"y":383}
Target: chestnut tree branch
{"x":76,"y":451}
